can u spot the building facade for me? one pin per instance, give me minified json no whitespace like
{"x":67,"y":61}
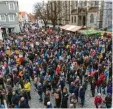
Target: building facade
{"x":93,"y":13}
{"x":107,"y":14}
{"x":89,"y":13}
{"x":9,"y":16}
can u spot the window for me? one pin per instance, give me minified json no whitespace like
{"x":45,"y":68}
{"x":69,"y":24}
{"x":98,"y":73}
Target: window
{"x":2,"y":18}
{"x":11,"y":18}
{"x":91,"y":18}
{"x":11,"y":6}
{"x":85,"y":3}
{"x":75,"y":19}
{"x":72,"y":19}
{"x":96,"y":3}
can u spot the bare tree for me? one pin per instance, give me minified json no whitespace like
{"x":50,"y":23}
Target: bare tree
{"x":41,"y":12}
{"x":54,"y":11}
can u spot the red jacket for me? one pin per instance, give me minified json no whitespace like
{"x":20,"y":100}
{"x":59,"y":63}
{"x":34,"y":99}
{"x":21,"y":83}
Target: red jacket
{"x":98,"y":83}
{"x":102,"y":76}
{"x":58,"y":69}
{"x":98,"y":100}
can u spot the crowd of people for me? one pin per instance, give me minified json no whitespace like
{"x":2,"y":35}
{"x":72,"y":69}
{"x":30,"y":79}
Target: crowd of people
{"x":60,"y":63}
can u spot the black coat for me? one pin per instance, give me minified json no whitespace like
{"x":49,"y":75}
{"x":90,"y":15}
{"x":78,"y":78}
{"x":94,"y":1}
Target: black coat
{"x":23,"y":104}
{"x":46,"y":99}
{"x":64,"y":100}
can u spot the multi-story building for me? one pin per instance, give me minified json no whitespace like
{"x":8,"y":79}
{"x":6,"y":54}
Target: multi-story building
{"x":89,"y":13}
{"x":9,"y":16}
{"x":78,"y":12}
{"x":107,"y":13}
{"x":93,"y":13}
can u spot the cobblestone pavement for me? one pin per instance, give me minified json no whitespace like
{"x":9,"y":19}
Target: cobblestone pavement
{"x":35,"y":103}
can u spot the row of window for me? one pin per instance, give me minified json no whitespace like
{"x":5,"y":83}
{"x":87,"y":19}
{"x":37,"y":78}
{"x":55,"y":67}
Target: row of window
{"x":10,"y":17}
{"x":11,"y":5}
{"x":91,"y":19}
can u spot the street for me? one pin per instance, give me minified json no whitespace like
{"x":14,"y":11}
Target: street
{"x":35,"y":103}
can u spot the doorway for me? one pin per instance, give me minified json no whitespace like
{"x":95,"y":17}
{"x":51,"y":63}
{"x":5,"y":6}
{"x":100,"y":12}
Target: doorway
{"x":84,"y":20}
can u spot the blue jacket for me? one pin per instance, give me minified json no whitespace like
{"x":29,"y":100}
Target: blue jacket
{"x":81,"y":93}
{"x":109,"y":89}
{"x":71,"y":89}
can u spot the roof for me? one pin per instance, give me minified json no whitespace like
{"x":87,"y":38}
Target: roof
{"x":93,"y":9}
{"x":22,"y":13}
{"x":72,"y":28}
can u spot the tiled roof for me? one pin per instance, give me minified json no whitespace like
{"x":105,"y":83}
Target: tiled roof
{"x":22,"y":13}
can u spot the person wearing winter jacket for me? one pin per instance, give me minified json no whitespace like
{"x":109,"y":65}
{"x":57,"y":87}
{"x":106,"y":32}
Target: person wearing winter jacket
{"x":27,"y":88}
{"x":40,"y":91}
{"x":73,"y":100}
{"x":104,"y":86}
{"x":46,"y":98}
{"x":57,"y":98}
{"x":93,"y":85}
{"x":64,"y":98}
{"x":98,"y":100}
{"x":109,"y":88}
{"x":108,"y":101}
{"x":23,"y":103}
{"x":71,"y":88}
{"x":76,"y":91}
{"x":82,"y":95}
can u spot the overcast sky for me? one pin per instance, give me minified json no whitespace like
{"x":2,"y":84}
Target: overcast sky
{"x":27,"y":5}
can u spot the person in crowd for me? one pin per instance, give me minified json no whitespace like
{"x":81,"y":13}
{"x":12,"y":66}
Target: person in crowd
{"x":27,"y":88}
{"x":82,"y":95}
{"x":23,"y":103}
{"x":64,"y":99}
{"x":108,"y":101}
{"x":73,"y":100}
{"x":57,"y":98}
{"x":49,"y":104}
{"x":46,"y":98}
{"x":98,"y":100}
{"x":53,"y":61}
{"x":93,"y":85}
{"x":40,"y":92}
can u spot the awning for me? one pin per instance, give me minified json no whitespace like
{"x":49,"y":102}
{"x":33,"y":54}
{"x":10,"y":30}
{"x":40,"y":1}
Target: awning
{"x":72,"y":28}
{"x":90,"y":32}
